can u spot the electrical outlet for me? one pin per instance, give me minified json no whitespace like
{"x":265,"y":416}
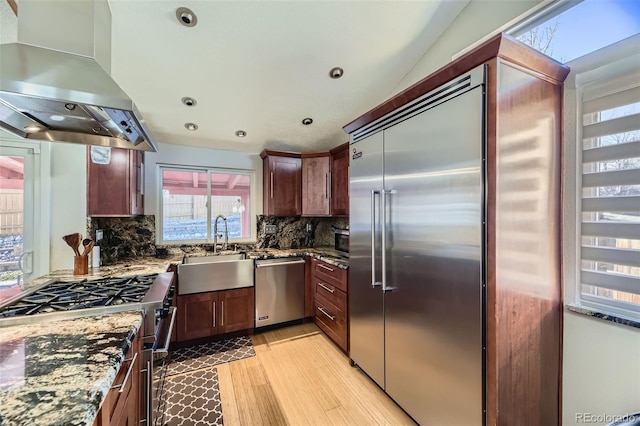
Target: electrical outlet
{"x":99,"y":235}
{"x":309,"y":227}
{"x":270,"y":229}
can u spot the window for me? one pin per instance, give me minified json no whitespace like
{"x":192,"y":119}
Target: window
{"x":581,"y":27}
{"x":608,"y":122}
{"x":192,"y":199}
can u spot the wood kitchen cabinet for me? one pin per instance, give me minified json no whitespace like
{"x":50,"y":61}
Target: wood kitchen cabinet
{"x":208,"y":314}
{"x":282,"y":182}
{"x":116,"y":188}
{"x":121,"y":406}
{"x":316,"y":184}
{"x":329,"y":288}
{"x":340,"y":180}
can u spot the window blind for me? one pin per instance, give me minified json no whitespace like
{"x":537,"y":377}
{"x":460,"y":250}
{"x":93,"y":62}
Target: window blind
{"x":609,"y":217}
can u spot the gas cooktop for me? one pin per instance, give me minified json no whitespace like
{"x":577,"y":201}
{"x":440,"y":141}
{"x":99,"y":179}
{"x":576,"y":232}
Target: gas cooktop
{"x":85,"y":294}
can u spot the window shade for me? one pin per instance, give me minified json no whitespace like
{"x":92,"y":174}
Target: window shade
{"x":609,"y":235}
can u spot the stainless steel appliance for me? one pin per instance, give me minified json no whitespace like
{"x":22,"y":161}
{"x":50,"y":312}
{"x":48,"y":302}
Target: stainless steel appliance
{"x":58,"y":88}
{"x":58,"y":300}
{"x":279,"y":286}
{"x":416,"y":259}
{"x":341,"y":241}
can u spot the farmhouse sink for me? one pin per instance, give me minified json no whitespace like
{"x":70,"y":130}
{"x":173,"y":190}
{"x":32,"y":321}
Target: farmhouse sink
{"x":201,"y":274}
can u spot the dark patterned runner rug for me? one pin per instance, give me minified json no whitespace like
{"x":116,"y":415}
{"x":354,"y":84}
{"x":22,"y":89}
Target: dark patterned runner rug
{"x":209,"y":354}
{"x":193,"y":398}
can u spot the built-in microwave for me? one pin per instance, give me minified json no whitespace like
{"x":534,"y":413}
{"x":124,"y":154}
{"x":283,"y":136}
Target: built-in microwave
{"x":342,"y":241}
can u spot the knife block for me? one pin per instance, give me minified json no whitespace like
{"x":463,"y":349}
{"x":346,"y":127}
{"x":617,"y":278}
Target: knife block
{"x":80,"y":265}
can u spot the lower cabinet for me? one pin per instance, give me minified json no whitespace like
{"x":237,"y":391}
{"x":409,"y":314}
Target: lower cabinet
{"x":208,"y":314}
{"x":121,"y":406}
{"x":328,"y":285}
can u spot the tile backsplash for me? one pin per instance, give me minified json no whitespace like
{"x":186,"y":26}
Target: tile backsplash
{"x":291,"y":232}
{"x":126,"y":237}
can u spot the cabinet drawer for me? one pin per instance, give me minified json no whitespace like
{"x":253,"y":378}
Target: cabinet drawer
{"x":122,"y":385}
{"x":330,"y":293}
{"x":332,"y":321}
{"x":329,"y":273}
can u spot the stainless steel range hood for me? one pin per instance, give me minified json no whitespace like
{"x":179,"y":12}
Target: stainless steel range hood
{"x":55,"y":83}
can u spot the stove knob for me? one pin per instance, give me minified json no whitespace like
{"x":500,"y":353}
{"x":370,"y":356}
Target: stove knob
{"x":164,"y":312}
{"x":172,"y":291}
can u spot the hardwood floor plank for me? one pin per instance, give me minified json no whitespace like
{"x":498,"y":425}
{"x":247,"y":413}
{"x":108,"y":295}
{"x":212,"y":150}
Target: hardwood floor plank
{"x":299,"y":377}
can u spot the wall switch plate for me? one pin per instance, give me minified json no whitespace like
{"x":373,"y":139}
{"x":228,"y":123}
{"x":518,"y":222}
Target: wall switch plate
{"x":309,"y":227}
{"x":270,"y":229}
{"x":99,"y":235}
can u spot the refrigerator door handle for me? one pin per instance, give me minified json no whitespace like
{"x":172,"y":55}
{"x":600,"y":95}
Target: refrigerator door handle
{"x":374,"y":283}
{"x":383,"y":219}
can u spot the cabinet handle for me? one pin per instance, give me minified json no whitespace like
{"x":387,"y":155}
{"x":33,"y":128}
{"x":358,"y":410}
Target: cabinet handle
{"x":330,"y":290}
{"x":214,"y":314}
{"x":325,"y":267}
{"x":126,"y":376}
{"x":329,"y":184}
{"x":326,"y":185}
{"x":271,"y":178}
{"x":222,"y":314}
{"x":326,"y":314}
{"x":141,"y":179}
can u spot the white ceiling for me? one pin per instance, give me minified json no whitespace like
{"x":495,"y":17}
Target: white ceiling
{"x":263,"y":66}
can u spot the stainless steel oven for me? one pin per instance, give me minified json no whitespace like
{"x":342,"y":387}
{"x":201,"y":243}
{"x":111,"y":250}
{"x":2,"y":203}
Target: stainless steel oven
{"x":341,"y":241}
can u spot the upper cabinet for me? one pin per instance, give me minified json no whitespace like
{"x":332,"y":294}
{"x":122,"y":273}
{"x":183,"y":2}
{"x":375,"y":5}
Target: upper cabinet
{"x":313,"y":184}
{"x":115,"y":184}
{"x":316,"y":184}
{"x":282,"y":181}
{"x":340,"y":180}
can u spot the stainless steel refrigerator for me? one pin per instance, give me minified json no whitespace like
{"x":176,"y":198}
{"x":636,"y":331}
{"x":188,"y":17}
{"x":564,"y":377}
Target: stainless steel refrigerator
{"x":416,"y":255}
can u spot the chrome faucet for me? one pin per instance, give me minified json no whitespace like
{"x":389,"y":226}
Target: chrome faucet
{"x":215,"y":233}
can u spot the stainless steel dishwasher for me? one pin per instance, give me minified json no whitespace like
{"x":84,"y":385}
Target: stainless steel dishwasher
{"x":279,"y":287}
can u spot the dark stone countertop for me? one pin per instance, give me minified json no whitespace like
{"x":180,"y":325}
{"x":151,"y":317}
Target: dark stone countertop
{"x":59,"y":372}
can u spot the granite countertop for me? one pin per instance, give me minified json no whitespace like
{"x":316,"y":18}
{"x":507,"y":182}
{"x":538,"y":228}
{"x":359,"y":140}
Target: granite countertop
{"x":327,"y":254}
{"x":59,"y":372}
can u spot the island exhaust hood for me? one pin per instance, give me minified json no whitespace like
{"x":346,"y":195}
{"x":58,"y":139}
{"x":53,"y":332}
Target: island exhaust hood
{"x":55,"y":83}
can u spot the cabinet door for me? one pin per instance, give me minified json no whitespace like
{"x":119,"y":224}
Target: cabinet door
{"x":284,"y":184}
{"x":137,"y":182}
{"x":197,"y":316}
{"x":237,"y":309}
{"x":340,"y":180}
{"x":316,"y":185}
{"x":116,"y":188}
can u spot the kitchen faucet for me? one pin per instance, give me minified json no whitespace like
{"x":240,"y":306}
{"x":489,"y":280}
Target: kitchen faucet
{"x":215,"y":233}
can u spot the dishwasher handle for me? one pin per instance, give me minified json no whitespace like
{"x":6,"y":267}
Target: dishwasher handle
{"x":284,"y":262}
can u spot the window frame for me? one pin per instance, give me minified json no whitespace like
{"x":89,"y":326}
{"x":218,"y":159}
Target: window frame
{"x":595,"y":75}
{"x":209,"y":171}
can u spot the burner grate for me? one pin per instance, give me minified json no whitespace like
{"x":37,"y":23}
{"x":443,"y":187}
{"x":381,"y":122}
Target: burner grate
{"x":67,"y":296}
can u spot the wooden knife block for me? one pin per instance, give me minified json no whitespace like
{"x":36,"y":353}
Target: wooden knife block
{"x":80,"y":265}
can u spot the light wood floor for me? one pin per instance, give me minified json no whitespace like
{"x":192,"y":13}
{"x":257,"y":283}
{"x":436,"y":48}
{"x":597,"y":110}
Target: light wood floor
{"x":299,"y":377}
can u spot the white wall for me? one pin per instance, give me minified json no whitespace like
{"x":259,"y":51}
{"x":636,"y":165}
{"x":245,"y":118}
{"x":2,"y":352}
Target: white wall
{"x":68,"y":200}
{"x":479,"y":18}
{"x":601,"y":369}
{"x":180,"y":155}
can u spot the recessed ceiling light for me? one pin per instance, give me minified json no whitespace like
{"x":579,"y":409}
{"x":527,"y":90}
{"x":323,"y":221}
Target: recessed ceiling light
{"x":307,"y":121}
{"x":191,"y":126}
{"x":241,"y":133}
{"x":189,"y":101}
{"x":57,"y":117}
{"x":186,"y":17}
{"x":32,"y":128}
{"x":336,"y":72}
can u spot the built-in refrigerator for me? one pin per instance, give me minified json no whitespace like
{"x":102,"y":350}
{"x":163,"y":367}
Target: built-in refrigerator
{"x":416,"y":299}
